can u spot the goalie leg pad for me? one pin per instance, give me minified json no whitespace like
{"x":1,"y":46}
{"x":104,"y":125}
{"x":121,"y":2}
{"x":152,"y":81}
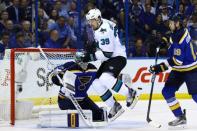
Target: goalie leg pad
{"x":63,"y":119}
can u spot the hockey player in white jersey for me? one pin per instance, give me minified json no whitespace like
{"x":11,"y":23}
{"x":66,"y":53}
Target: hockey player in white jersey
{"x":113,"y":56}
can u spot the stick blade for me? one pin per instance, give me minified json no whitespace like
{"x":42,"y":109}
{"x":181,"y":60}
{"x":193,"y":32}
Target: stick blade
{"x":154,"y":124}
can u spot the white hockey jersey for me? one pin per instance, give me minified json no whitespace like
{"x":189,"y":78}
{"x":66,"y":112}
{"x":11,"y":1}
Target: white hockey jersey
{"x":109,"y":44}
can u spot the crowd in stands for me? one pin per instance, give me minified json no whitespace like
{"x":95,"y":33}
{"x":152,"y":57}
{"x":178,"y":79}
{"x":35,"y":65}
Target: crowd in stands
{"x":62,"y":23}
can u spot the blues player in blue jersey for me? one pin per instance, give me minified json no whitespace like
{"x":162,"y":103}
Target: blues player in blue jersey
{"x":182,"y":59}
{"x":86,"y":73}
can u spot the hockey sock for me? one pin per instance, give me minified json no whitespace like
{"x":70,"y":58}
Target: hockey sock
{"x":111,"y":82}
{"x":107,"y":97}
{"x":174,"y":106}
{"x":169,"y":95}
{"x":104,"y":93}
{"x":194,"y":97}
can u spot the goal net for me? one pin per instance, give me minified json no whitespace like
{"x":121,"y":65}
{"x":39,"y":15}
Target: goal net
{"x":25,"y":88}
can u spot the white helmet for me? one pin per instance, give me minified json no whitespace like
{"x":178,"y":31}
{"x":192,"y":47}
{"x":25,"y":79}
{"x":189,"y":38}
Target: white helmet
{"x":93,"y":14}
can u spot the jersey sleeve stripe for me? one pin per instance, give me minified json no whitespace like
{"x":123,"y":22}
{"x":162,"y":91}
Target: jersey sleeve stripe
{"x":192,"y":51}
{"x":183,"y":37}
{"x":171,"y":40}
{"x":177,"y":62}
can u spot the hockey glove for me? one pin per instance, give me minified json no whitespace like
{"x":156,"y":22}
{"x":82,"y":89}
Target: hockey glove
{"x":158,"y":68}
{"x":164,"y":42}
{"x":53,"y":75}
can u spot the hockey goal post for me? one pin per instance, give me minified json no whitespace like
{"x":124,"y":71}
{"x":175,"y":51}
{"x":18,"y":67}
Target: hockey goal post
{"x":24,"y":78}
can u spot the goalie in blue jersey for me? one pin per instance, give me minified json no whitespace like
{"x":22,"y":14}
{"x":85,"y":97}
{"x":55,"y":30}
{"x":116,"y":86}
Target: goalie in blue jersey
{"x":85,"y":74}
{"x":182,"y":59}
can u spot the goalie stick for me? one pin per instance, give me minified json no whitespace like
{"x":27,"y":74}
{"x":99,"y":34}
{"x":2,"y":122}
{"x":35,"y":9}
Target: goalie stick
{"x":148,"y":119}
{"x":70,"y":95}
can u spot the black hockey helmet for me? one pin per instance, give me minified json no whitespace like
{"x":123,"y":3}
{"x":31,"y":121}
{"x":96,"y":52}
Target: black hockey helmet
{"x":176,"y":18}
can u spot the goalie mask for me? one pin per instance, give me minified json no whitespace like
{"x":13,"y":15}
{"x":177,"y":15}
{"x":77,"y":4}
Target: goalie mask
{"x":79,"y":59}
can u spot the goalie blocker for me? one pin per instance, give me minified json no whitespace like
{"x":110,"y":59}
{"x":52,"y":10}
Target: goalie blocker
{"x":77,"y":76}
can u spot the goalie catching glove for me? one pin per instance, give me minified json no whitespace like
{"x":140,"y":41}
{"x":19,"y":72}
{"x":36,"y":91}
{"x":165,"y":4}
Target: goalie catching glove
{"x":158,"y":68}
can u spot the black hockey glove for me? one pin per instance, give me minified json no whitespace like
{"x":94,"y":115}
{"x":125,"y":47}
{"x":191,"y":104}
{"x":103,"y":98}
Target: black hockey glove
{"x":164,"y":42}
{"x":158,"y":68}
{"x":90,"y":47}
{"x":89,"y":57}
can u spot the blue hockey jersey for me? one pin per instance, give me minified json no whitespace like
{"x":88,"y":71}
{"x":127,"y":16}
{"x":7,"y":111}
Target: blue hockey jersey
{"x":84,"y":78}
{"x":181,"y":51}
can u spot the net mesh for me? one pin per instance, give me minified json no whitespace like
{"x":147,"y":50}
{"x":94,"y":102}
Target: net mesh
{"x":32,"y":87}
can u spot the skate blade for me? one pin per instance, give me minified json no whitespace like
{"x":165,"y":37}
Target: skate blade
{"x":139,"y":92}
{"x":178,"y":127}
{"x":117,"y":115}
{"x":134,"y":102}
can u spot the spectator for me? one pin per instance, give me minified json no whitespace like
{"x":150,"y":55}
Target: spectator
{"x":26,"y":7}
{"x":159,"y":24}
{"x":193,"y":29}
{"x":73,"y":37}
{"x":4,"y":4}
{"x":136,"y":10}
{"x":19,"y":42}
{"x":26,"y":29}
{"x":9,"y":27}
{"x":185,"y":22}
{"x":170,"y":2}
{"x":42,"y":14}
{"x":138,"y":50}
{"x":181,"y":12}
{"x":88,"y":34}
{"x":43,"y":32}
{"x":52,"y":41}
{"x":53,"y":17}
{"x":47,"y":6}
{"x":63,"y":30}
{"x":4,"y":42}
{"x":189,"y":8}
{"x":66,"y":4}
{"x":42,"y":18}
{"x":150,"y":2}
{"x":4,"y":18}
{"x":152,"y":42}
{"x":195,"y":6}
{"x":15,"y":13}
{"x":73,"y":12}
{"x":88,"y":7}
{"x":147,"y":19}
{"x":165,"y":12}
{"x":111,"y":8}
{"x":61,"y":11}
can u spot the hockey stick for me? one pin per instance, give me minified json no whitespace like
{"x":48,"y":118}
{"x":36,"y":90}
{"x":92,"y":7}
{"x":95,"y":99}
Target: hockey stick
{"x":148,"y":119}
{"x":70,"y":95}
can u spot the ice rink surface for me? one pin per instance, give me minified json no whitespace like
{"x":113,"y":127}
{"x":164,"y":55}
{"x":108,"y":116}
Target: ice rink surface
{"x":131,"y":120}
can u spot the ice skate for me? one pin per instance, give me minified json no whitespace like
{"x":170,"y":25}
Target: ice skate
{"x":180,"y":122}
{"x":115,"y":111}
{"x":132,"y":97}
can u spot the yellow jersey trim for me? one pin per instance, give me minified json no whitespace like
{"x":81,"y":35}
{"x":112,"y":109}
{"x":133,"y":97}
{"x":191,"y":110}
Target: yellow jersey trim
{"x":192,"y":50}
{"x":183,"y":37}
{"x":176,"y":62}
{"x":184,"y":69}
{"x":171,"y":40}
